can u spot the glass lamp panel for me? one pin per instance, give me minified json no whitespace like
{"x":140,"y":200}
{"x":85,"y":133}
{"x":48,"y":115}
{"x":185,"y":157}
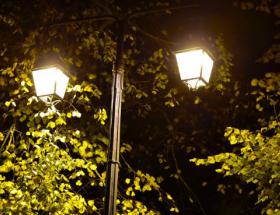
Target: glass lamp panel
{"x":207,"y":66}
{"x":189,"y":63}
{"x":50,"y":81}
{"x":44,"y":81}
{"x":195,"y":83}
{"x":61,"y":83}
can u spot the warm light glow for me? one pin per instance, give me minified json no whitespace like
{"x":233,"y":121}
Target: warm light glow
{"x":195,"y":67}
{"x":50,"y":81}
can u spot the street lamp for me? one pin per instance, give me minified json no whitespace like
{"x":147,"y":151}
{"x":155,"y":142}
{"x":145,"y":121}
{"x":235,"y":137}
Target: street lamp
{"x":195,"y":66}
{"x":50,"y":82}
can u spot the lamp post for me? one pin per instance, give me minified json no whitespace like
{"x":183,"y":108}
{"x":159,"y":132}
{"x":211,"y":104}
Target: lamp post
{"x":194,"y":66}
{"x":115,"y":127}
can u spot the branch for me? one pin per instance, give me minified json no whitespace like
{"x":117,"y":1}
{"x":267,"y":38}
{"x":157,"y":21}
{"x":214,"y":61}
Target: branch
{"x":127,"y":164}
{"x":156,"y":38}
{"x":114,"y":18}
{"x":135,"y":14}
{"x":10,"y":135}
{"x":85,"y":19}
{"x":178,"y":172}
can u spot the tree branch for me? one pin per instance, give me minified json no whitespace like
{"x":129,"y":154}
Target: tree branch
{"x":85,"y":19}
{"x":135,"y":14}
{"x":156,"y":38}
{"x":178,"y":172}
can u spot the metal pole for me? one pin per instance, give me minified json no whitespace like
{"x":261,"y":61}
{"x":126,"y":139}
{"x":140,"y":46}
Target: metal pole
{"x":115,"y":127}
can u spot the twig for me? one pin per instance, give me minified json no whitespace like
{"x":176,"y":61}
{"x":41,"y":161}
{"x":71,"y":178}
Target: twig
{"x":81,"y":20}
{"x":178,"y":171}
{"x":10,"y":134}
{"x":156,"y":38}
{"x":127,"y":164}
{"x":159,"y":10}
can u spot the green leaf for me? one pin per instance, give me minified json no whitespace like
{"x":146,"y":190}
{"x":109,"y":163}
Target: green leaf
{"x":51,"y":124}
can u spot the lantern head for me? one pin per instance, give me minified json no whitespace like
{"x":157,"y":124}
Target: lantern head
{"x":50,"y":82}
{"x":195,"y":66}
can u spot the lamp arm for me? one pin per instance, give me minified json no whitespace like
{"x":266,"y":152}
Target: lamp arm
{"x":129,"y":16}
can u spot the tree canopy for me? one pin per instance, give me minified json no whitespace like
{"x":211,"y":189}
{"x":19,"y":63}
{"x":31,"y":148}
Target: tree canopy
{"x":53,"y":158}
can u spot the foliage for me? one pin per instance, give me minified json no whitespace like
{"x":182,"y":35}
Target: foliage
{"x":257,"y":157}
{"x":53,"y":158}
